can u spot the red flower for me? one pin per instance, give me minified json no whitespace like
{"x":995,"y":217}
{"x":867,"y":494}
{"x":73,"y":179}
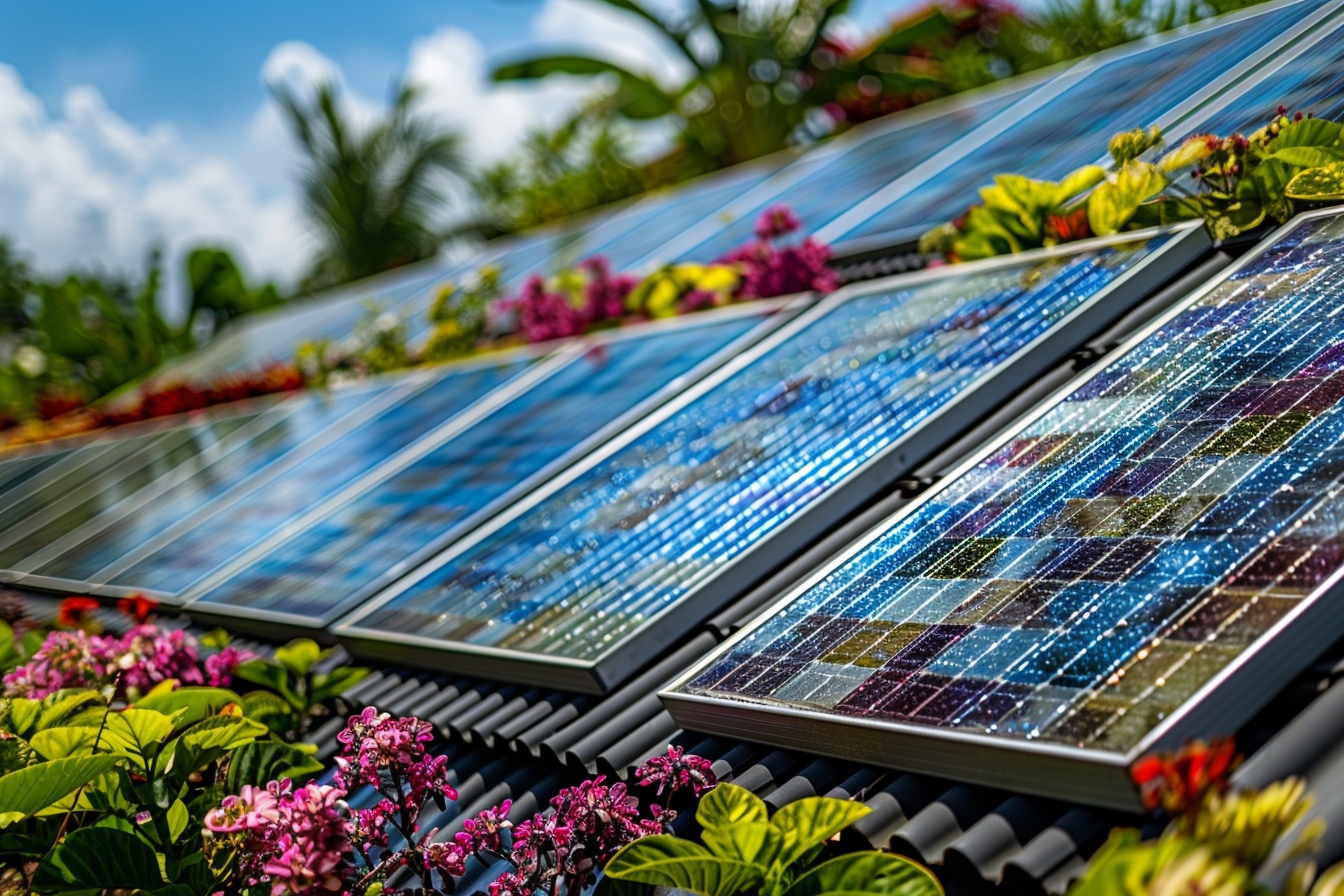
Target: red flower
{"x":1069,"y":227}
{"x":1178,"y":782}
{"x":74,"y":611}
{"x":138,"y":607}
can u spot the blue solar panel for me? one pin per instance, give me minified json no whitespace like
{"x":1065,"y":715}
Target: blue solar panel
{"x":796,"y":428}
{"x":247,"y":518}
{"x":1083,"y":580}
{"x":365,"y":543}
{"x":17,"y":468}
{"x":866,"y":162}
{"x":1072,"y":129}
{"x":302,"y":422}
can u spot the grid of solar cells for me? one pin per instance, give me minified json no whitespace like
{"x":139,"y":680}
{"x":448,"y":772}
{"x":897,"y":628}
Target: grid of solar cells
{"x":629,"y":537}
{"x":16,"y":470}
{"x":365,"y":542}
{"x":1086,"y":578}
{"x":1072,"y":128}
{"x":863,"y":167}
{"x":112,"y":536}
{"x":160,"y":455}
{"x":259,"y":512}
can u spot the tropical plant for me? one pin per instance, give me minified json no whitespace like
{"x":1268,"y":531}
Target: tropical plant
{"x":757,"y":70}
{"x":1218,"y":840}
{"x":294,"y":691}
{"x":745,"y":850}
{"x":1233,"y":184}
{"x":460,"y":314}
{"x":219,"y":293}
{"x":100,"y":798}
{"x":371,"y":193}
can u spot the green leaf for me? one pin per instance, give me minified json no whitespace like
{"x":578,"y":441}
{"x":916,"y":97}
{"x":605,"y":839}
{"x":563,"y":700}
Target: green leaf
{"x":210,"y":740}
{"x":23,"y":715}
{"x":1307,"y":156}
{"x":269,"y":675}
{"x":337,"y":682}
{"x":187,"y":706}
{"x":262,"y":761}
{"x":299,"y":655}
{"x":138,"y":732}
{"x":666,"y":861}
{"x":729,"y":804}
{"x":753,"y":842}
{"x":178,"y":818}
{"x":867,"y":872}
{"x":64,"y":707}
{"x":100,"y":858}
{"x":1318,"y":184}
{"x":1114,"y":203}
{"x":1308,"y":132}
{"x":1079,"y":181}
{"x":815,"y":820}
{"x":30,"y":790}
{"x":58,"y":743}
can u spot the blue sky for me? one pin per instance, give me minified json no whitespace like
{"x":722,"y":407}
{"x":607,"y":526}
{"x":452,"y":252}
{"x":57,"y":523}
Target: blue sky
{"x":139,"y":123}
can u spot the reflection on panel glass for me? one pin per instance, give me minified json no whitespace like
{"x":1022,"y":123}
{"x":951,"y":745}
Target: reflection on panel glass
{"x":160,"y":456}
{"x":280,"y":432}
{"x":119,"y":464}
{"x":360,"y":544}
{"x":1082,"y":581}
{"x":260,"y":512}
{"x":632,"y":535}
{"x":846,"y":177}
{"x":1072,"y":129}
{"x":15,"y":471}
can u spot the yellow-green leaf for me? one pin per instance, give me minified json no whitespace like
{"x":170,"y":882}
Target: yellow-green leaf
{"x":1318,"y":184}
{"x":753,"y":842}
{"x":666,"y":861}
{"x":815,"y":820}
{"x":30,"y":790}
{"x":178,"y":818}
{"x":867,"y":872}
{"x":728,"y":804}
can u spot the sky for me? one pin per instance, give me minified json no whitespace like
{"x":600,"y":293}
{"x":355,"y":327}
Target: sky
{"x":148,"y":123}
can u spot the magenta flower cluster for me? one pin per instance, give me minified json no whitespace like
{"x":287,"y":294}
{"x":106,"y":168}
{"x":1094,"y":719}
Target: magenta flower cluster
{"x":137,"y":661}
{"x":546,"y":313}
{"x":285,"y":838}
{"x":769,"y":270}
{"x":297,"y":841}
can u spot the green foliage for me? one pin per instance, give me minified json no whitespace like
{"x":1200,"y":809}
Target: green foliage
{"x":459,"y":315}
{"x":218,"y":291}
{"x":378,"y":345}
{"x":747,"y":851}
{"x":370,"y":193}
{"x":295,"y":692}
{"x":112,"y":798}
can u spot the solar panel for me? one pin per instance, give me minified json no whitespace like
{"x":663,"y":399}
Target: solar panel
{"x":1133,"y":88}
{"x":1145,"y":559}
{"x":20,"y":465}
{"x":582,"y":584}
{"x":823,"y":184}
{"x":299,"y":425}
{"x":168,"y":565}
{"x":362,"y":543}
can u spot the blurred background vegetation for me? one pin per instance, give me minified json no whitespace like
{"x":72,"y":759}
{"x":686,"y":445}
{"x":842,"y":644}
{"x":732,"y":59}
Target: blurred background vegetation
{"x":763,"y":77}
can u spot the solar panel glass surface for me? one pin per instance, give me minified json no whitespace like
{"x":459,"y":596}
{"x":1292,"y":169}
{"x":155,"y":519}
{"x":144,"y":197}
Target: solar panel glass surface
{"x":112,"y":536}
{"x":1079,"y":583}
{"x":366,"y":542}
{"x":1072,"y":129}
{"x":258,"y":513}
{"x":592,"y":563}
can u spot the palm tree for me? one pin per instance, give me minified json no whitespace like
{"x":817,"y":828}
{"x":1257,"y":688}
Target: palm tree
{"x":373,"y":192}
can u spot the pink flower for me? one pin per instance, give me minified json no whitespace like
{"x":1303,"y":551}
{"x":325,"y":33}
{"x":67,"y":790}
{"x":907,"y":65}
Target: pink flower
{"x":543,"y":314}
{"x":767,"y":271}
{"x":776,"y":221}
{"x":219,"y":667}
{"x":677,"y":771}
{"x":446,"y":858}
{"x":253,"y":808}
{"x":482,"y":833}
{"x":73,"y":659}
{"x":605,"y":293}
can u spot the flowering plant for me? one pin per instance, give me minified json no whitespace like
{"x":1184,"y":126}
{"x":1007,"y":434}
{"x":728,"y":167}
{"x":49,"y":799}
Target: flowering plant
{"x":460,"y":314}
{"x":1219,"y":839}
{"x":572,"y":302}
{"x":1233,"y":184}
{"x":281,"y":840}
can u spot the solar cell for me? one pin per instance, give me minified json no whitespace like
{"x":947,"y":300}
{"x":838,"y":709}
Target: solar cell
{"x":1145,"y":559}
{"x":365,"y":541}
{"x":583,"y":583}
{"x":1130,"y":88}
{"x":261,"y":509}
{"x":299,"y":425}
{"x":17,"y":468}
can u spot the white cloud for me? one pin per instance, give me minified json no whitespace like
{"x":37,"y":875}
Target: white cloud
{"x":87,"y":189}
